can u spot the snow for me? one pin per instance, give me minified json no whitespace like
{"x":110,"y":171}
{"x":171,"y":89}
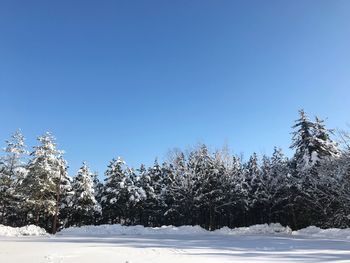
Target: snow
{"x":137,"y":244}
{"x":30,"y":230}
{"x":255,"y":230}
{"x":313,"y":231}
{"x":116,"y":230}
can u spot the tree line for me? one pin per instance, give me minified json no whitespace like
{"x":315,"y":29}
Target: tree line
{"x":193,"y":187}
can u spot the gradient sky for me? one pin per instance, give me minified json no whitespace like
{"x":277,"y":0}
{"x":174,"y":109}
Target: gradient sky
{"x":137,"y":78}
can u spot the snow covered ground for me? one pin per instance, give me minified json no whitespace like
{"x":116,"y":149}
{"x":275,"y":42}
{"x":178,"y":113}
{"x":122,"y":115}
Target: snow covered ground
{"x":184,"y":244}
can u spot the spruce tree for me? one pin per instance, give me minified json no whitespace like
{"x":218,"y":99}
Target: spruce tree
{"x":324,"y":146}
{"x":208,"y":192}
{"x":252,"y":185}
{"x":84,"y":202}
{"x":115,"y":193}
{"x":98,"y":193}
{"x":12,"y":172}
{"x":304,"y":143}
{"x":152,"y":205}
{"x":47,"y":173}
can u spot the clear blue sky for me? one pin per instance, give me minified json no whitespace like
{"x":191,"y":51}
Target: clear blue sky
{"x":136,"y":78}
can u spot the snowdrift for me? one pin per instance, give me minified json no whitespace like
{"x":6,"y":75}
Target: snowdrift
{"x":115,"y":230}
{"x":264,"y":229}
{"x":30,"y":230}
{"x":313,"y":231}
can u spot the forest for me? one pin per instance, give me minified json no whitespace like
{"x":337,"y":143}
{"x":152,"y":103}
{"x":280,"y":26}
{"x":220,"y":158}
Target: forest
{"x":196,"y":186}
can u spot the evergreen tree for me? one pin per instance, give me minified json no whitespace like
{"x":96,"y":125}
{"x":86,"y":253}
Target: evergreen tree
{"x":98,"y":193}
{"x":313,"y":146}
{"x":47,"y":173}
{"x":136,"y":195}
{"x":236,"y":194}
{"x":304,"y":143}
{"x":201,"y":188}
{"x":274,"y":193}
{"x":208,"y":193}
{"x":181,"y":198}
{"x":152,"y":206}
{"x":252,"y":185}
{"x":140,"y":196}
{"x":84,"y":202}
{"x":65,"y":202}
{"x":12,"y":172}
{"x":324,"y":146}
{"x":115,"y":194}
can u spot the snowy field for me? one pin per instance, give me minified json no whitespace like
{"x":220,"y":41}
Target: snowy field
{"x":169,"y":244}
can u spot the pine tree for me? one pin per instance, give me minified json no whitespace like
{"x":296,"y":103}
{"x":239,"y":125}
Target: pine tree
{"x":12,"y":172}
{"x":85,"y":205}
{"x":252,"y":185}
{"x":47,"y":172}
{"x":115,"y":194}
{"x":324,"y":146}
{"x":98,"y":193}
{"x":151,"y":182}
{"x":135,"y":196}
{"x":65,"y":202}
{"x":140,"y":195}
{"x":304,"y":143}
{"x":208,"y":192}
{"x":236,"y":193}
{"x":274,"y":192}
{"x":339,"y":169}
{"x":180,"y":193}
{"x":313,"y":146}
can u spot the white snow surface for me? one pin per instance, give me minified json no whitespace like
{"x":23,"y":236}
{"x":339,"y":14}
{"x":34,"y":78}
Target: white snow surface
{"x":113,"y":230}
{"x":30,"y":230}
{"x":313,"y":231}
{"x":138,"y":244}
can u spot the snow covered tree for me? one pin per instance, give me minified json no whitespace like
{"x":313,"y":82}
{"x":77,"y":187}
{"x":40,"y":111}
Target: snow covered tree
{"x":151,"y":182}
{"x":313,"y":146}
{"x":232,"y":203}
{"x":208,"y":191}
{"x":252,"y":185}
{"x":98,"y":193}
{"x":181,"y":207}
{"x":115,"y":195}
{"x":273,"y":194}
{"x":312,"y":143}
{"x":304,"y":143}
{"x":197,"y":188}
{"x":325,"y":147}
{"x":65,"y":202}
{"x":136,"y":195}
{"x":175,"y":189}
{"x":12,"y":172}
{"x":84,"y":202}
{"x":340,"y":170}
{"x":47,"y":173}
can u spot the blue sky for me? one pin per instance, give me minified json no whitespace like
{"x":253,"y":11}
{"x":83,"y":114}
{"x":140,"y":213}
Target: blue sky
{"x":137,"y":78}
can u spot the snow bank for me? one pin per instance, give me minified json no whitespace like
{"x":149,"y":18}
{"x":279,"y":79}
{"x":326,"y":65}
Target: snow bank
{"x":104,"y":230}
{"x":313,"y":231}
{"x":30,"y":230}
{"x":117,"y":230}
{"x":264,"y":229}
